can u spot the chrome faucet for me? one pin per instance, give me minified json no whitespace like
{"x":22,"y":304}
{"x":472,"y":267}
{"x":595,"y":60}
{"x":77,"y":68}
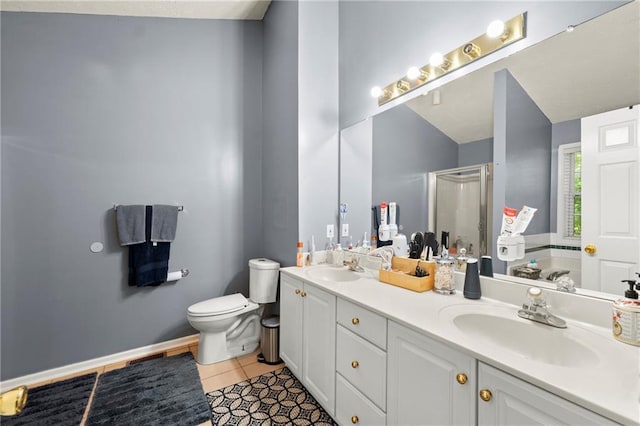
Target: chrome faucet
{"x":557,"y":274}
{"x":537,"y":310}
{"x":353,"y":264}
{"x":565,"y":283}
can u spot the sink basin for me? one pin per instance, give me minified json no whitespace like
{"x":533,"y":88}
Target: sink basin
{"x":332,"y":274}
{"x":533,"y":341}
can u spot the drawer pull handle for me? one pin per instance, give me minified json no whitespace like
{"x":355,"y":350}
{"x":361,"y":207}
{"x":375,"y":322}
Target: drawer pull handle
{"x":303,"y":294}
{"x":461,"y":378}
{"x":485,"y":395}
{"x":354,"y":419}
{"x":297,"y":291}
{"x":354,"y":364}
{"x":355,"y":321}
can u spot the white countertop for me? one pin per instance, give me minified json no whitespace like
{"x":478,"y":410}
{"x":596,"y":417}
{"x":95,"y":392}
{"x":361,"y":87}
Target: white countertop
{"x":610,"y":387}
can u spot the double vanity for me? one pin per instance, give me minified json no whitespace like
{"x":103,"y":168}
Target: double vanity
{"x":376,"y":354}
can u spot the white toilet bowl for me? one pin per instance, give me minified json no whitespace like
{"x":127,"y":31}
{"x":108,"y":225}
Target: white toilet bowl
{"x":229,"y":326}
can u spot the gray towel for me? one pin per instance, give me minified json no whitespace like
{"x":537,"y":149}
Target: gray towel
{"x":164,"y":221}
{"x":130,"y":221}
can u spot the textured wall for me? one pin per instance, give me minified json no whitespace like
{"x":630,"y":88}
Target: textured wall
{"x":98,"y":110}
{"x":522,"y":156}
{"x":280,"y":150}
{"x":405,"y":149}
{"x":477,"y":152}
{"x":318,"y":132}
{"x":528,"y":148}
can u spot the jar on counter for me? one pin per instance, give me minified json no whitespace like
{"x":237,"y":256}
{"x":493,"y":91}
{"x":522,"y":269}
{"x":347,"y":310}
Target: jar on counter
{"x":461,"y":260}
{"x":444,"y":283}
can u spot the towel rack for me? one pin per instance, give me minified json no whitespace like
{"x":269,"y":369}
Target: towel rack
{"x":115,"y":207}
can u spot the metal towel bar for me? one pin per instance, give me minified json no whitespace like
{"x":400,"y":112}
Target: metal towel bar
{"x":115,"y":207}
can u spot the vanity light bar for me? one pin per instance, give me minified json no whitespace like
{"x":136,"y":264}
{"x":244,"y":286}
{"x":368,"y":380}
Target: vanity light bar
{"x":514,"y":30}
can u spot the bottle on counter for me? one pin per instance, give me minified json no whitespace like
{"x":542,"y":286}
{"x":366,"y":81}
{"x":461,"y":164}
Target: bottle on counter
{"x":461,"y":260}
{"x":626,"y":315}
{"x":300,"y":255}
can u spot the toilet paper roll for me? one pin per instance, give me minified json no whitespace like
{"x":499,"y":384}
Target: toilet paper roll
{"x":174,"y":276}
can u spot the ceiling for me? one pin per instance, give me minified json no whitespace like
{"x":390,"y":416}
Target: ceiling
{"x":593,"y":69}
{"x":198,"y":9}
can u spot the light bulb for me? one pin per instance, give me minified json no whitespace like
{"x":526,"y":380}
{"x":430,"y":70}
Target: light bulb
{"x":570,"y":28}
{"x":495,"y":29}
{"x":436,"y":59}
{"x":413,"y":73}
{"x":376,"y":91}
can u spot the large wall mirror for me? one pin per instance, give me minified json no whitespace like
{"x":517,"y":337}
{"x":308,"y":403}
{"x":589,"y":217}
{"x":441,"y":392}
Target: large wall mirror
{"x":517,"y":113}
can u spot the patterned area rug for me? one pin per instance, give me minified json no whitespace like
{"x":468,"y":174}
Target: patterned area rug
{"x":276,"y":398}
{"x":61,"y":403}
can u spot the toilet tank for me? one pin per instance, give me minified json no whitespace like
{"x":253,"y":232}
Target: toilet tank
{"x":263,"y":280}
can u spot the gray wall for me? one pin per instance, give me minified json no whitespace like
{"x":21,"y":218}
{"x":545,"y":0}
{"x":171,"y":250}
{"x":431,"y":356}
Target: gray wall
{"x":528,"y":148}
{"x":356,"y":184}
{"x":561,"y":133}
{"x":405,"y":149}
{"x":380,"y":40}
{"x":100,"y":110}
{"x":477,"y":152}
{"x":522,"y":154}
{"x":318,"y":133}
{"x":280,"y":136}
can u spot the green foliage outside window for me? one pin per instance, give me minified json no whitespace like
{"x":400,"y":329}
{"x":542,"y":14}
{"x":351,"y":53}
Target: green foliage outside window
{"x":577,"y":198}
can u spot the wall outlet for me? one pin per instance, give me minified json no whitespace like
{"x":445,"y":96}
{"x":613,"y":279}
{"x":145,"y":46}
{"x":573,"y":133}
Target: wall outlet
{"x":345,"y":229}
{"x":330,"y":231}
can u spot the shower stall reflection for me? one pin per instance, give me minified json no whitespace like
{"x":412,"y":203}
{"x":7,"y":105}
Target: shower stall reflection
{"x":460,"y":203}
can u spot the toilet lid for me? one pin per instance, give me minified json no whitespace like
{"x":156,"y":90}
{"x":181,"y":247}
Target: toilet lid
{"x":219,"y":305}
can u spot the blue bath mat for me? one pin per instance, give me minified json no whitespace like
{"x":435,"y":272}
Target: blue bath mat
{"x":165,"y":391}
{"x":61,"y":403}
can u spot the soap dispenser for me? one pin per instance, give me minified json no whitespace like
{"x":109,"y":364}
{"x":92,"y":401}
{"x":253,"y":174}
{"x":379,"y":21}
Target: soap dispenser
{"x":626,"y":315}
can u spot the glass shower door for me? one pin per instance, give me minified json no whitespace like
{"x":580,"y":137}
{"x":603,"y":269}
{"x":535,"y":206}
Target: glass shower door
{"x":459,"y":203}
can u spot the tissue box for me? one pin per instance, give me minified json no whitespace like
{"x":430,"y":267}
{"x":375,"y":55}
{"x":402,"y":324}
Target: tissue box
{"x":526,"y":272}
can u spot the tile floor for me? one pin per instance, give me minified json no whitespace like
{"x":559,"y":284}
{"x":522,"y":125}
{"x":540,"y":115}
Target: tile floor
{"x":213,"y":376}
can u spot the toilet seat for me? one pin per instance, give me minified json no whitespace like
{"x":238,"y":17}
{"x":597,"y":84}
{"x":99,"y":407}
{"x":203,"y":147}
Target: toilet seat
{"x":219,"y":305}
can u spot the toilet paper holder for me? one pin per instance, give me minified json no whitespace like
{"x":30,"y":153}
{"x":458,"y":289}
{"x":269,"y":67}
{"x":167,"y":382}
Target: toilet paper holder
{"x":176,"y":275}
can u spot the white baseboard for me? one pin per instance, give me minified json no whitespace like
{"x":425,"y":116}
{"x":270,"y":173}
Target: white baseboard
{"x":97,"y":362}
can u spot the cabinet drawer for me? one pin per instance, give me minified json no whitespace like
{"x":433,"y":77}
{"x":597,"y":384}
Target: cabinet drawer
{"x":354,"y":408}
{"x":367,"y":324}
{"x":363,"y":364}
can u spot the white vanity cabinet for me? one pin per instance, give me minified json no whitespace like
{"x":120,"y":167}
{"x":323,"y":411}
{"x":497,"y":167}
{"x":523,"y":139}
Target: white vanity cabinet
{"x":361,"y":366}
{"x":428,"y":383}
{"x":378,"y":366}
{"x":507,"y":400}
{"x":308,"y":337}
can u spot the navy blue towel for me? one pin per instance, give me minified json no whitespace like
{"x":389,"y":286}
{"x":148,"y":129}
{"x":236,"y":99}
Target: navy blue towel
{"x":148,"y":262}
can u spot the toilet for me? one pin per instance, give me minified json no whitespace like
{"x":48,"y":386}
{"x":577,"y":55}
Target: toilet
{"x":229,"y":326}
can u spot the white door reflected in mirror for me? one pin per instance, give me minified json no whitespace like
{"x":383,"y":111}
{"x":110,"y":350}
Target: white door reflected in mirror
{"x":610,"y":160}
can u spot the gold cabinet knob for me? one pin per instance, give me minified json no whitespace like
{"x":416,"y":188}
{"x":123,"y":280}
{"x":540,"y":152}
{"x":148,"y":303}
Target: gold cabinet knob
{"x":354,"y":419}
{"x":590,"y":249}
{"x":461,"y":378}
{"x":297,"y":291}
{"x":485,"y":395}
{"x":355,"y":321}
{"x":303,"y":294}
{"x":355,"y":364}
